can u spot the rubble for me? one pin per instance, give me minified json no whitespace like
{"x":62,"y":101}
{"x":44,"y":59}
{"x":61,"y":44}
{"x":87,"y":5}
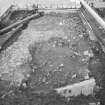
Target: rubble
{"x":83,"y":88}
{"x":49,"y":56}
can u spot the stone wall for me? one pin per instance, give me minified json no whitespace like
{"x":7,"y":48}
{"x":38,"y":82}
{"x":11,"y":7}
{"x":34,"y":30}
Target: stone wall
{"x":5,"y":4}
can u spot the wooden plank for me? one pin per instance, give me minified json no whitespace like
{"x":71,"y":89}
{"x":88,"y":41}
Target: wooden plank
{"x":5,"y":39}
{"x":20,"y":22}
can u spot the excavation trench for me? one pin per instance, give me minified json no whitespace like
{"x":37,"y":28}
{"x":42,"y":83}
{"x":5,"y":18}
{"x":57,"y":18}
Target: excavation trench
{"x":52,"y":52}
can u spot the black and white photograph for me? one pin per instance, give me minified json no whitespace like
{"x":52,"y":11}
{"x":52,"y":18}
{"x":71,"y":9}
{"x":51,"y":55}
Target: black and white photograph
{"x":52,"y":52}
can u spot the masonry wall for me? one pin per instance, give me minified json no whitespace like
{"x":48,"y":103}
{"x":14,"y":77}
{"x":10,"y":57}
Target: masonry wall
{"x":5,"y":4}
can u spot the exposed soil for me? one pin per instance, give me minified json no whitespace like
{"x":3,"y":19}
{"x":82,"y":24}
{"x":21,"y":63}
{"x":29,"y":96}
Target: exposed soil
{"x":62,"y":54}
{"x":58,"y":58}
